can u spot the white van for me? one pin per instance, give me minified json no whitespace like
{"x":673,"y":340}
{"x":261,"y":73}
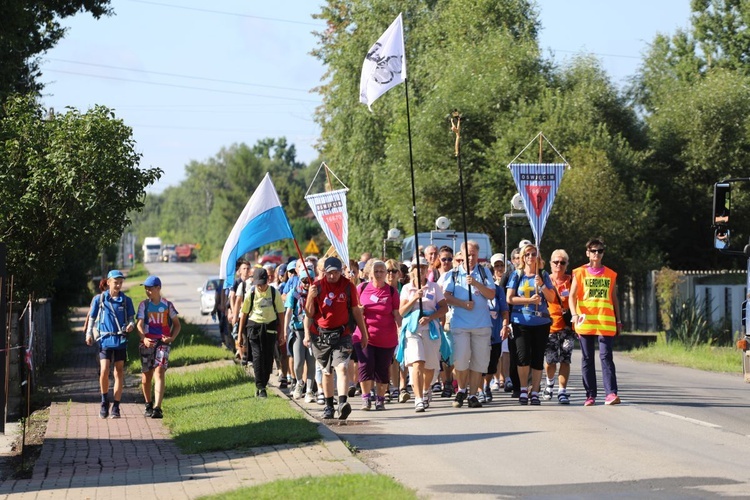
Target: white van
{"x":450,"y":238}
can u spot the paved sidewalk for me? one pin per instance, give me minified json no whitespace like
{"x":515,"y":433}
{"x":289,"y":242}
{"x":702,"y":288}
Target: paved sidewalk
{"x":84,"y":456}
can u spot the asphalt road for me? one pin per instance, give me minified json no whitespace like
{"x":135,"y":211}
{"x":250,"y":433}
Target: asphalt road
{"x":679,"y":433}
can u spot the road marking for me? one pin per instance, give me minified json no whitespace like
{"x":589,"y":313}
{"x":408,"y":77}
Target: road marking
{"x":688,"y":419}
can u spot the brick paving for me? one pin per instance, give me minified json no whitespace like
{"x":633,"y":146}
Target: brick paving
{"x":85,"y":457}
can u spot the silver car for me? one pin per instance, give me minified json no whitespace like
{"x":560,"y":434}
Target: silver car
{"x":208,"y":294}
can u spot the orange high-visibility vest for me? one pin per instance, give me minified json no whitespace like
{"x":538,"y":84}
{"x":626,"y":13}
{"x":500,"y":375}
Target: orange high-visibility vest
{"x":595,"y":296}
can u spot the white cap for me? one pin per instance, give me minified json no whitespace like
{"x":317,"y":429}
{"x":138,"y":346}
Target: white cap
{"x":407,"y":263}
{"x":422,"y":262}
{"x":523,"y":243}
{"x":497,"y":257}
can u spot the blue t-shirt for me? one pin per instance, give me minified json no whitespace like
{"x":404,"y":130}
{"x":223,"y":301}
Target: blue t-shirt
{"x":289,"y":285}
{"x":296,"y":302}
{"x":479,"y":317}
{"x":120,"y":305}
{"x":498,"y":306}
{"x":529,"y":315}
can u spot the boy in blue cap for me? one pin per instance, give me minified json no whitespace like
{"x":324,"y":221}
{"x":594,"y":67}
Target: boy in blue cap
{"x":158,"y":326}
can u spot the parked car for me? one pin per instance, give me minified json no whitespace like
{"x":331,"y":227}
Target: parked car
{"x":272,"y":256}
{"x":208,"y":294}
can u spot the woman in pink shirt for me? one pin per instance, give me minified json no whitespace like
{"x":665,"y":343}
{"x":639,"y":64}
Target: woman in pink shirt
{"x":380,"y":303}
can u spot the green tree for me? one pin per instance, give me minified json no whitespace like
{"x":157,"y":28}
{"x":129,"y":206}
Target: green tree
{"x":67,"y":184}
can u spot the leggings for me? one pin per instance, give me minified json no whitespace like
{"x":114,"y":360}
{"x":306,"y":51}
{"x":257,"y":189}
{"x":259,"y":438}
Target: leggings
{"x":531,"y":342}
{"x":302,"y":356}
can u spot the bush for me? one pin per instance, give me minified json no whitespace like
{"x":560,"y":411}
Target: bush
{"x":690,"y":326}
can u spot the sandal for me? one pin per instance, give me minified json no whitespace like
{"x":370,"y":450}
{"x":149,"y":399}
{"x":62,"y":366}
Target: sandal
{"x":523,"y":399}
{"x":535,"y":399}
{"x":563,"y":398}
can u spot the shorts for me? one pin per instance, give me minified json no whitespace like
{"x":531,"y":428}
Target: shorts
{"x":374,"y":362}
{"x":152,"y":357}
{"x":495,"y":351}
{"x":330,"y":356}
{"x":113,"y":355}
{"x":471,"y":348}
{"x":420,"y":347}
{"x":560,"y":347}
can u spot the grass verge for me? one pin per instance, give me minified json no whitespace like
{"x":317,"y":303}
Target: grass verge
{"x":703,"y":357}
{"x":215,"y":409}
{"x":325,"y":487}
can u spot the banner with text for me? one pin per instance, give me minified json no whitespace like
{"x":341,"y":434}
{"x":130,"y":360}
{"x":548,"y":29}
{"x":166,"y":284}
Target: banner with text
{"x":330,"y":210}
{"x":537,"y":184}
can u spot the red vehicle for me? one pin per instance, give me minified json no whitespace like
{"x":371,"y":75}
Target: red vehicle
{"x":185,"y":252}
{"x":272,"y":256}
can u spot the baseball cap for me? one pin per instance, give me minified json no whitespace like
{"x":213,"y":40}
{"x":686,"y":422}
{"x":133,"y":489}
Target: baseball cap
{"x":497,"y":257}
{"x":292,"y":264}
{"x":523,"y":243}
{"x":260,"y":276}
{"x":422,"y":262}
{"x":152,"y":281}
{"x":282,"y":269}
{"x":269,"y":265}
{"x":114,"y":273}
{"x":332,"y":264}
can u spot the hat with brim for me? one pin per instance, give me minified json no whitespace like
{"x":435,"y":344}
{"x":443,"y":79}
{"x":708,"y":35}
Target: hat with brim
{"x":260,"y":276}
{"x":332,"y":264}
{"x":115,"y":274}
{"x":152,"y":281}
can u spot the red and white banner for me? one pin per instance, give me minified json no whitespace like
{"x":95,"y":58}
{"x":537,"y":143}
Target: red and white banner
{"x":330,"y":210}
{"x":538,"y":183}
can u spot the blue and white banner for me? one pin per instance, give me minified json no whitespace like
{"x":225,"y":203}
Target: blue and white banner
{"x":385,"y":64}
{"x":537,"y":184}
{"x":330,"y":210}
{"x":262,"y":222}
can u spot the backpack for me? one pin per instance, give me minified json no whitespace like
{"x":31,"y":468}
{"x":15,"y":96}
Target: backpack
{"x":273,"y":297}
{"x":114,"y":340}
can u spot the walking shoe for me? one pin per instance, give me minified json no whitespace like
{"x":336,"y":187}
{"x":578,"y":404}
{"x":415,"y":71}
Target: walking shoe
{"x":547,"y":394}
{"x":395,"y":393}
{"x":283,"y":383}
{"x":157,"y":413}
{"x":115,"y":411}
{"x":321,"y":399}
{"x":437,"y":387}
{"x":474,"y":402}
{"x":149,"y":410}
{"x":366,"y":404}
{"x":488,"y":394}
{"x":523,"y":398}
{"x":535,"y":399}
{"x":447,"y":391}
{"x":352,"y":391}
{"x":299,"y":391}
{"x":104,"y":412}
{"x":459,"y":401}
{"x":494,"y":385}
{"x":328,"y":412}
{"x":480,"y":397}
{"x":589,"y":401}
{"x":419,"y":407}
{"x":344,"y":410}
{"x":358,"y":391}
{"x":309,"y":397}
{"x":387,"y":397}
{"x":282,"y":379}
{"x":380,"y":405}
{"x":612,"y":399}
{"x":403,"y":396}
{"x":563,"y":398}
{"x":508,"y":386}
{"x":262,"y":394}
{"x":427,"y":399}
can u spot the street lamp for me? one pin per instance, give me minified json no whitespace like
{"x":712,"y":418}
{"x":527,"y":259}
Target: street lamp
{"x":392,"y":239}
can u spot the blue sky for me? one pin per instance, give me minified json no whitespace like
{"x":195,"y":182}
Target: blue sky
{"x":191,"y":77}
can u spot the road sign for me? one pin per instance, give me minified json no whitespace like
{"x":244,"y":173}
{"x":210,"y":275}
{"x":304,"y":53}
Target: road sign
{"x":312,"y":248}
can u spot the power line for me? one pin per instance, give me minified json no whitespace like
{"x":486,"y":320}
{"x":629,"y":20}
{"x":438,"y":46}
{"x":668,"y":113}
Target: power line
{"x":176,"y":75}
{"x":224,"y":13}
{"x":172,"y":85}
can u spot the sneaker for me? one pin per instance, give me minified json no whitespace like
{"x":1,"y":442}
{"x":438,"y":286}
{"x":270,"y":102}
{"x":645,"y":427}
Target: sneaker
{"x":480,"y":397}
{"x":589,"y":401}
{"x":282,"y":379}
{"x":366,"y":404}
{"x":358,"y":391}
{"x":508,"y":386}
{"x":427,"y":399}
{"x":149,"y":410}
{"x":447,"y":391}
{"x":344,"y":410}
{"x":419,"y":407}
{"x":380,"y":405}
{"x":395,"y":393}
{"x":283,"y":383}
{"x":459,"y":401}
{"x":321,"y":399}
{"x":115,"y":411}
{"x":387,"y":397}
{"x":299,"y":391}
{"x":262,"y":394}
{"x":157,"y":413}
{"x":352,"y":391}
{"x":494,"y":385}
{"x":488,"y":394}
{"x":612,"y":399}
{"x":328,"y":412}
{"x":535,"y":399}
{"x":515,"y":394}
{"x":523,"y":398}
{"x":403,"y":396}
{"x":563,"y":398}
{"x":474,"y":402}
{"x":547,"y":394}
{"x":309,"y":397}
{"x":104,"y":411}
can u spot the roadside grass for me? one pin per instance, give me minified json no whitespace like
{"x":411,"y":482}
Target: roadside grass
{"x":191,"y":347}
{"x":702,"y":357}
{"x":323,"y":487}
{"x":215,"y":409}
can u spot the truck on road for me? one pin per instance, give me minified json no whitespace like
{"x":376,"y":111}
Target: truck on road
{"x":151,"y":249}
{"x":185,"y":252}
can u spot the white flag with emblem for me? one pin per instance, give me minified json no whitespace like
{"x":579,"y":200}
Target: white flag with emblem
{"x":385,"y":64}
{"x":330,"y":210}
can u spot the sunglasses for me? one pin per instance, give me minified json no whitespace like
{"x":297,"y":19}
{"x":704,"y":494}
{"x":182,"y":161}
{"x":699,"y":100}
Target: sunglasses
{"x":596,"y":250}
{"x":530,"y":254}
{"x":393,"y":271}
{"x":459,"y":260}
{"x":559,"y":262}
{"x":446,"y":259}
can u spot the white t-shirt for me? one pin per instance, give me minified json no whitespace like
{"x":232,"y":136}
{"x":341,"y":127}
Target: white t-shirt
{"x":432,"y":296}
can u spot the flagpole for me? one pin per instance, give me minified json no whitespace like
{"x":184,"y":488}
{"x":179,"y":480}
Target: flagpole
{"x":299,"y":252}
{"x":455,"y":119}
{"x":413,"y":197}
